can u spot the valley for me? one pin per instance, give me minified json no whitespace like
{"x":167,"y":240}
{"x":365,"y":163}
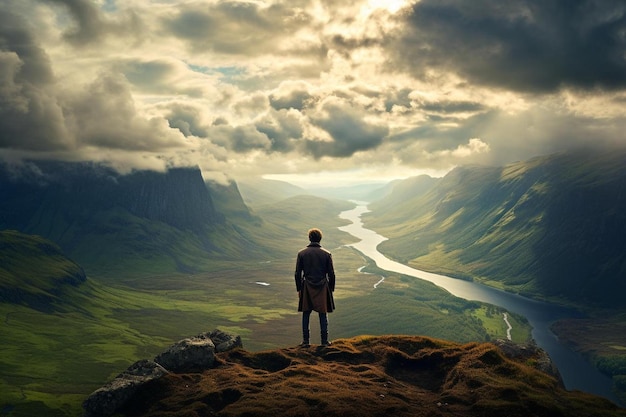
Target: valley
{"x":152,"y":278}
{"x":51,"y":361}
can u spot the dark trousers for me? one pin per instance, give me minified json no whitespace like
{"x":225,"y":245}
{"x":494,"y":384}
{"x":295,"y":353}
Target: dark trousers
{"x":306,"y":316}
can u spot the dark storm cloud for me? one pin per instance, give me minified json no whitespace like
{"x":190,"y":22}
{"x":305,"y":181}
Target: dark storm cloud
{"x":30,"y":115}
{"x":524,"y":45}
{"x":349,"y":132}
{"x":235,"y":27}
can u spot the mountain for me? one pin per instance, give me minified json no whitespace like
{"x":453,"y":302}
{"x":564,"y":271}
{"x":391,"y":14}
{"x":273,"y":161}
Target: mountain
{"x":228,"y":200}
{"x":370,"y":376}
{"x":263,"y":191}
{"x":34,"y":271}
{"x":145,"y":221}
{"x":553,"y":226}
{"x":399,"y":194}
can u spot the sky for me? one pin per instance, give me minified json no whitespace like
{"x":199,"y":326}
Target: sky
{"x":315,"y":92}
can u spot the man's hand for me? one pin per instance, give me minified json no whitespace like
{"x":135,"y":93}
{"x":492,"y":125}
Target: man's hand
{"x":299,"y":294}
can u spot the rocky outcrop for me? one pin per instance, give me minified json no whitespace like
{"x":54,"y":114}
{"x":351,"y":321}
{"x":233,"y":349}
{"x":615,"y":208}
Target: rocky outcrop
{"x":107,"y":399}
{"x":400,"y":376}
{"x":531,"y":354}
{"x":195,"y":354}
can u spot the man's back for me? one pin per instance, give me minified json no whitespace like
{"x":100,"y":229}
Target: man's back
{"x":315,"y":263}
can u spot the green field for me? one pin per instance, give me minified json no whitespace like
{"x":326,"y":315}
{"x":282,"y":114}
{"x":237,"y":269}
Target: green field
{"x":52,"y":361}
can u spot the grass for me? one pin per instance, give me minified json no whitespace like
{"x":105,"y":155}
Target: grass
{"x":53,"y":361}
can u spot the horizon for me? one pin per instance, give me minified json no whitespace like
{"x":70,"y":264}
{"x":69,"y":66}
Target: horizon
{"x":375,"y":90}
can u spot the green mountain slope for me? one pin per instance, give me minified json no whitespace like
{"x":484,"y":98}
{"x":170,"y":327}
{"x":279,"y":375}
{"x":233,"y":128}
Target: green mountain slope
{"x":551,"y":227}
{"x":34,"y":271}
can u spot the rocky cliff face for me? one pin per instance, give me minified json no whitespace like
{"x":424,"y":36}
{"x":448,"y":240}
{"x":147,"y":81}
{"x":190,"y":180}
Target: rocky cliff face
{"x":177,"y":197}
{"x":368,"y":376}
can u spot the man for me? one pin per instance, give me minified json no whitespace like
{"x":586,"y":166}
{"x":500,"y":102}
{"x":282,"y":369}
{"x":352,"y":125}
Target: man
{"x":315,"y":282}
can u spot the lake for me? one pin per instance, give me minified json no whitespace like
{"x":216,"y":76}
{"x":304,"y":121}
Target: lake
{"x":577,"y":373}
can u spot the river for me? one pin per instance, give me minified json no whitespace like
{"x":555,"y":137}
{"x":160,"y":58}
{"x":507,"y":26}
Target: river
{"x":577,"y":373}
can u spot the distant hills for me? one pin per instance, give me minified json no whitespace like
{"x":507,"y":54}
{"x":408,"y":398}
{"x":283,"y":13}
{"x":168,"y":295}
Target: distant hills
{"x":553,"y":226}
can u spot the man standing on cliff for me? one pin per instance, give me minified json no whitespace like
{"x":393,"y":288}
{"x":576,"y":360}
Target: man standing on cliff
{"x":315,"y":282}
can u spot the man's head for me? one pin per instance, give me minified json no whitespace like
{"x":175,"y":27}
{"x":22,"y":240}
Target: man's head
{"x":315,"y":235}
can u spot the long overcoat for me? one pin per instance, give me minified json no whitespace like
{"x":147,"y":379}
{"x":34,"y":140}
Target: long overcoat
{"x":315,"y":279}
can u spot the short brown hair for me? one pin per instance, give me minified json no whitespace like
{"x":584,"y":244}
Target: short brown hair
{"x":315,"y":235}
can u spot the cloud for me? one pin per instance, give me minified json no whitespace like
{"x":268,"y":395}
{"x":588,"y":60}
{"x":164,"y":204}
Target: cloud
{"x":188,"y":119}
{"x":38,"y":113}
{"x":30,"y":115}
{"x":235,"y":27}
{"x":89,"y":25}
{"x":291,"y":95}
{"x":284,"y":128}
{"x":524,"y":45}
{"x":104,"y":115}
{"x":347,"y":129}
{"x":276,"y":86}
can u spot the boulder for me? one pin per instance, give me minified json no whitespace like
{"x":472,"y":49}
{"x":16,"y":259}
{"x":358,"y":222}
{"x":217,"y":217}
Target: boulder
{"x":194,"y":354}
{"x":225,"y":341}
{"x":531,"y":353}
{"x":107,"y":399}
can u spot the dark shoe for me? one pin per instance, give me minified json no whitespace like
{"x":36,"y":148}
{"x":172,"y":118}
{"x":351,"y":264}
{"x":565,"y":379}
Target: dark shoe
{"x":305,"y":338}
{"x":325,"y":341}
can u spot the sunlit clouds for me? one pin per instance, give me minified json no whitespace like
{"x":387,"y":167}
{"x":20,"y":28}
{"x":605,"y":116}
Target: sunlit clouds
{"x":365,"y":89}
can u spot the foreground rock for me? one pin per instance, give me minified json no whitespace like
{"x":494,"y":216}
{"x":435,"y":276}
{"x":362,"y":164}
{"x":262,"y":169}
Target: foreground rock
{"x":194,"y":354}
{"x":372,"y":376}
{"x":106,"y":400}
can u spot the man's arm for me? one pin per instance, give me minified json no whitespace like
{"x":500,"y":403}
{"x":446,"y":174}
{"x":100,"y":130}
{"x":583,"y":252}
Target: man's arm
{"x":298,"y":274}
{"x":331,"y":273}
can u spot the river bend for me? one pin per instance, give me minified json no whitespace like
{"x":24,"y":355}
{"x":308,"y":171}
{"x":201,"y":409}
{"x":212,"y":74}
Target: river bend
{"x":576,"y":372}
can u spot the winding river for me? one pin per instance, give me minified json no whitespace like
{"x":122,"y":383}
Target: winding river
{"x":577,"y":373}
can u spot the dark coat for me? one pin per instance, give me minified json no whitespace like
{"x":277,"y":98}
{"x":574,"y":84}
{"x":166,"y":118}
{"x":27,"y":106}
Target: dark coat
{"x":315,"y":279}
